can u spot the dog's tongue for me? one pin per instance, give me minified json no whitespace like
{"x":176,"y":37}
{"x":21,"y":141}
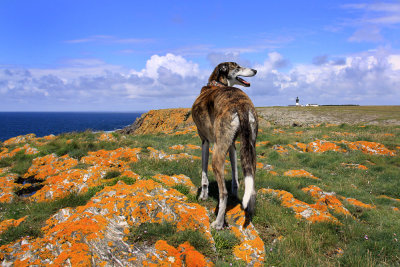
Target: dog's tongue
{"x":242,"y":81}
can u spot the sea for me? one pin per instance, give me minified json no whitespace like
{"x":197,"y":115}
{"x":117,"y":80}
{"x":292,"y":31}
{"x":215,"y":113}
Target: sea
{"x":44,"y":123}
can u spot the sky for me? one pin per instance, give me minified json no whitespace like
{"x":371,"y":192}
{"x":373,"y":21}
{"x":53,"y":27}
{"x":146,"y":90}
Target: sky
{"x":97,"y":55}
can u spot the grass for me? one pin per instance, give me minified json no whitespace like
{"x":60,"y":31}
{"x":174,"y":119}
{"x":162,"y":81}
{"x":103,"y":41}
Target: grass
{"x":369,"y":239}
{"x":150,"y":233}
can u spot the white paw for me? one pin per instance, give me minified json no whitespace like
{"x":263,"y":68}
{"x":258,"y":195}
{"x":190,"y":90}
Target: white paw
{"x":217,"y":225}
{"x":203,"y":195}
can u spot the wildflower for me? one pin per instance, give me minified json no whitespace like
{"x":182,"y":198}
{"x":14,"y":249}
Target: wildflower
{"x":366,"y":237}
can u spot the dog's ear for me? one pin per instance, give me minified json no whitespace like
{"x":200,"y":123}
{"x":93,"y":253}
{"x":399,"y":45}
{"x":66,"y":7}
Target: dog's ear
{"x":223,"y":69}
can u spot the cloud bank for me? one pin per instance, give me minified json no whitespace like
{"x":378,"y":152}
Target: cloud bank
{"x":171,"y":80}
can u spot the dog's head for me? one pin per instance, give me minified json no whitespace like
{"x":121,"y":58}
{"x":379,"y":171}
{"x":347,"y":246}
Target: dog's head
{"x":228,"y":73}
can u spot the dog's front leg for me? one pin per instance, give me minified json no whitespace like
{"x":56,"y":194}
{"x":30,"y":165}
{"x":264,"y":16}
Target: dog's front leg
{"x":233,"y":159}
{"x":204,"y":164}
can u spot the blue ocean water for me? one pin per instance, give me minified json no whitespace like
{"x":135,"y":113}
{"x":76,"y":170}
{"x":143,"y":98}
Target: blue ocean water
{"x":44,"y":123}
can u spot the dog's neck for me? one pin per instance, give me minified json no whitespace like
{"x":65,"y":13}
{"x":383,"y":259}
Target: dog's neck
{"x":216,"y":83}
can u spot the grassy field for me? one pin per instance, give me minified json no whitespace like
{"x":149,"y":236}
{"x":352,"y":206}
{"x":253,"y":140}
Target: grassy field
{"x":368,"y":236}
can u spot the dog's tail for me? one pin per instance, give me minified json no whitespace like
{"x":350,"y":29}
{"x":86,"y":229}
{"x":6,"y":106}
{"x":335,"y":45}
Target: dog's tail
{"x":248,"y":135}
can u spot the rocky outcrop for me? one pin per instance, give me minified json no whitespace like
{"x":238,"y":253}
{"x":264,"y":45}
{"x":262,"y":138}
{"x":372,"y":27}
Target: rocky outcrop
{"x":160,"y":121}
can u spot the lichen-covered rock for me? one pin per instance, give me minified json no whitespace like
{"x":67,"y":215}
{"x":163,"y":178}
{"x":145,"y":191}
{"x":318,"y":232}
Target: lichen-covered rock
{"x":251,"y":248}
{"x":108,"y":137}
{"x":166,"y":255}
{"x":310,"y":212}
{"x":280,"y":149}
{"x":319,"y":211}
{"x":4,"y":225}
{"x":19,"y":139}
{"x":262,"y":143}
{"x":160,"y":154}
{"x":96,"y":233}
{"x":7,"y":185}
{"x":161,"y":121}
{"x":299,"y":173}
{"x":175,"y":180}
{"x":60,"y":177}
{"x":327,"y":199}
{"x":28,"y":150}
{"x":371,"y":148}
{"x":43,"y":167}
{"x":320,"y":146}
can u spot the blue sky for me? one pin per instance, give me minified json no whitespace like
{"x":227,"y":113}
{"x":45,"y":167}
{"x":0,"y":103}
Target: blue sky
{"x":135,"y":56}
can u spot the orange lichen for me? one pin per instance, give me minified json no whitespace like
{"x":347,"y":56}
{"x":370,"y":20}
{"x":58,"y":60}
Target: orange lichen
{"x":177,"y":147}
{"x":262,"y":143}
{"x":280,"y":149}
{"x":184,"y":255}
{"x":187,"y":130}
{"x":19,"y":139}
{"x":189,"y":146}
{"x":61,"y":179}
{"x":321,"y":146}
{"x":251,"y":249}
{"x":299,"y":173}
{"x":160,"y":154}
{"x":359,"y":204}
{"x":43,"y":167}
{"x":7,"y":185}
{"x":174,"y":180}
{"x":164,"y":121}
{"x":4,"y":225}
{"x":312,"y":213}
{"x":108,"y":137}
{"x":371,"y":148}
{"x":326,"y":200}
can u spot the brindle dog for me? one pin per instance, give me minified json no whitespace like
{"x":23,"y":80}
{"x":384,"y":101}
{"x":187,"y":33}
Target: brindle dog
{"x":222,"y":113}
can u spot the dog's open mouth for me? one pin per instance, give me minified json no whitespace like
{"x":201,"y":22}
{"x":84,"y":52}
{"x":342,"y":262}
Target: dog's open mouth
{"x":243,"y":82}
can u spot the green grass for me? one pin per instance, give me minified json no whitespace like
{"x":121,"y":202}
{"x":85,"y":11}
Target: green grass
{"x":150,"y":233}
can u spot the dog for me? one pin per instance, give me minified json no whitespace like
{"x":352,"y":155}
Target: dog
{"x":222,"y":113}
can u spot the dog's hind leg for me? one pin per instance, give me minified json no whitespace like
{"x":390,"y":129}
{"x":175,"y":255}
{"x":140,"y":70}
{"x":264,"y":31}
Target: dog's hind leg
{"x":218,"y":161}
{"x":233,"y":159}
{"x":204,"y":165}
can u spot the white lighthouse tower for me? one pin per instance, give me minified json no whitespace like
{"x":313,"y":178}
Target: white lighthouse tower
{"x":297,"y":102}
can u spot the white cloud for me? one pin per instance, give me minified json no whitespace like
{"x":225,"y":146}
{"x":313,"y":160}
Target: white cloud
{"x":174,"y":64}
{"x":170,"y":80}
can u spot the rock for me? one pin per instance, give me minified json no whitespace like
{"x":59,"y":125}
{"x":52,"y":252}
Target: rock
{"x":312,"y":213}
{"x":320,"y":146}
{"x":4,"y":225}
{"x":251,"y":248}
{"x":372,"y":148}
{"x":96,"y":233}
{"x":299,"y":173}
{"x":160,"y":121}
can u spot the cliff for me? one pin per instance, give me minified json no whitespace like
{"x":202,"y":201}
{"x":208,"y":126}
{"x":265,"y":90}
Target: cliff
{"x":160,"y":121}
{"x":327,"y":194}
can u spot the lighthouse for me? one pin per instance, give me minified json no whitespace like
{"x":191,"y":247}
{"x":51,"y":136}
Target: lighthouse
{"x":297,"y":102}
